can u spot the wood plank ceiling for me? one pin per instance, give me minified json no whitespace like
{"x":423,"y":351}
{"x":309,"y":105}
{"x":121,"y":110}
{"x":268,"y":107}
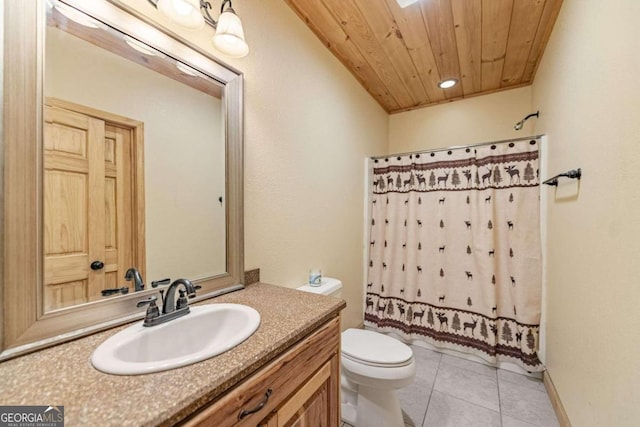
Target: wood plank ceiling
{"x":400,"y":55}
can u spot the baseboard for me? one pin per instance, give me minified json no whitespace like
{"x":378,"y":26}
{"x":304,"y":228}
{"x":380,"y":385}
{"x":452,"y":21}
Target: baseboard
{"x":563,"y":419}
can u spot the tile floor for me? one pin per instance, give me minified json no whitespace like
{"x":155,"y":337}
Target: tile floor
{"x":453,"y":392}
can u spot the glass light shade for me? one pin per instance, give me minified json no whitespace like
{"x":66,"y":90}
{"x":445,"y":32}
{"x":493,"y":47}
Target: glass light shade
{"x":229,"y":37}
{"x":185,"y":13}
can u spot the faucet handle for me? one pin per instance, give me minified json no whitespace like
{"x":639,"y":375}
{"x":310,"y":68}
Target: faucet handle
{"x":182,"y":300}
{"x":157,"y":283}
{"x":152,"y":311}
{"x":195,"y":288}
{"x":151,"y":301}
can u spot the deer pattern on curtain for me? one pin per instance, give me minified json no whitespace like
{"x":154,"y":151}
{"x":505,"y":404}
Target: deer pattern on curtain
{"x":454,"y":251}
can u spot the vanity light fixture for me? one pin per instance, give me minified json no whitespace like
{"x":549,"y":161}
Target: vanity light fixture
{"x":139,"y":46}
{"x":448,"y":83}
{"x":405,"y":3}
{"x":193,"y":14}
{"x":185,"y":13}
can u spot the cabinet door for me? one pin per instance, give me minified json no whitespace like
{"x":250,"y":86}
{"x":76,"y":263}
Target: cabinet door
{"x":299,"y":388}
{"x":311,"y":405}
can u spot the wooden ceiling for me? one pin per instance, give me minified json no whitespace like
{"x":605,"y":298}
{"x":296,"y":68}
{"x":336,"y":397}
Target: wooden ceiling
{"x":400,"y":55}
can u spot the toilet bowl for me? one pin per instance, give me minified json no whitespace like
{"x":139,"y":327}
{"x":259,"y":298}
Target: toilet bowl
{"x":373,"y":366}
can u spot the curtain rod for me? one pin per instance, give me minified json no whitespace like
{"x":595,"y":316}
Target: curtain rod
{"x":435,"y":150}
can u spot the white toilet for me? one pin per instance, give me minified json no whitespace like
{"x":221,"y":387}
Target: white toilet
{"x":373,"y":367}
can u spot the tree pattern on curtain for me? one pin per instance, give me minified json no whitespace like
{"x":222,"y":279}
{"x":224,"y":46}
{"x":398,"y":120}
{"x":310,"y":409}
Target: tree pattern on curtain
{"x":454,"y":252}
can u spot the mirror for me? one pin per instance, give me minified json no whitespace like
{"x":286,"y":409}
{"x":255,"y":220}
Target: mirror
{"x":123,"y":148}
{"x":164,"y":177}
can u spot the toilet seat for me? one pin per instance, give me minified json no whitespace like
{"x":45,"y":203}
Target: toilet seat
{"x":378,"y":365}
{"x":376,"y":360}
{"x":375,"y":349}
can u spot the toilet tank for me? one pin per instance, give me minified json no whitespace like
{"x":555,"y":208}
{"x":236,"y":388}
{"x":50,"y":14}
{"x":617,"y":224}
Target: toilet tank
{"x":328,"y":286}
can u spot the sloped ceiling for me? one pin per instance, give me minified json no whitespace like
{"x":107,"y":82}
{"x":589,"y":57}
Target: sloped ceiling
{"x":399,"y":55}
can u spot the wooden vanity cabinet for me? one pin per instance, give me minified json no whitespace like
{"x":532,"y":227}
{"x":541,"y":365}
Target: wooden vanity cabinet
{"x":300,"y":388}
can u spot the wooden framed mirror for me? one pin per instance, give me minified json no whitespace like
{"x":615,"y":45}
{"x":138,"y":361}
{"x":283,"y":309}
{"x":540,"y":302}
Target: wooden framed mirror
{"x":52,"y":278}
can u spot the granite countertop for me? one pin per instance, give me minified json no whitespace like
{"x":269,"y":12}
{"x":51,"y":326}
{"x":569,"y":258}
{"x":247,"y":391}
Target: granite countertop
{"x":63,"y":375}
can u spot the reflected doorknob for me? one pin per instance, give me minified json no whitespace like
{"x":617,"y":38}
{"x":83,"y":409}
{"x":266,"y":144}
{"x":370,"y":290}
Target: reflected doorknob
{"x":97,"y":265}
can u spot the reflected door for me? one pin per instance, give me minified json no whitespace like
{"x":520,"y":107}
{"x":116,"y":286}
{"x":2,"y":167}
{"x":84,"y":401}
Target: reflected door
{"x":86,"y":247}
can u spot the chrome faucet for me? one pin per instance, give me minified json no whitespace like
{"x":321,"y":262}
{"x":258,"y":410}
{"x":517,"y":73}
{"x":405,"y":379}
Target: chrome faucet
{"x":170,"y":309}
{"x":134,"y":274}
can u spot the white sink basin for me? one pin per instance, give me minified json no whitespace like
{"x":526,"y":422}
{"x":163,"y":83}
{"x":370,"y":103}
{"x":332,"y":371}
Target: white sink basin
{"x":207,"y":331}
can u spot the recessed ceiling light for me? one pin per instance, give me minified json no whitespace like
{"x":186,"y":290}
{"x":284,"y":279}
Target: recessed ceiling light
{"x":405,"y":3}
{"x":139,"y":46}
{"x":446,"y":84}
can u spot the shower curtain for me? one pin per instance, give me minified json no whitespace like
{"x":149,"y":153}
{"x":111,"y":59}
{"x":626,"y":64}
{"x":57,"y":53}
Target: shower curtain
{"x":454,"y":251}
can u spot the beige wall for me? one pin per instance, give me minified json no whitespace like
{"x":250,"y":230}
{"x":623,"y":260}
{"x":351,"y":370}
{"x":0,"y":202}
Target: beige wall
{"x":183,"y":153}
{"x":478,"y":119}
{"x":588,"y":93}
{"x":308,"y":127}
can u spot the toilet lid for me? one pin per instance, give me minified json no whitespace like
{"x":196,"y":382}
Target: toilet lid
{"x":374,"y":348}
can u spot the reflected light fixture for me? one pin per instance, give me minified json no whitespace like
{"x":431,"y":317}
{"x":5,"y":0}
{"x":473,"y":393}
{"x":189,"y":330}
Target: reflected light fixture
{"x":193,"y":14}
{"x":405,"y":3}
{"x":139,"y":46}
{"x":74,"y":15}
{"x":448,"y":83}
{"x":185,"y":69}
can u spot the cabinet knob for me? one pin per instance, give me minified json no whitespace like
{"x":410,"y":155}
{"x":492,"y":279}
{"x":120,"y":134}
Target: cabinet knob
{"x":97,"y":265}
{"x":243,"y":413}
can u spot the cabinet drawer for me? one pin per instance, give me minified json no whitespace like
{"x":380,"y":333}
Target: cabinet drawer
{"x":282,"y":377}
{"x":310,"y":406}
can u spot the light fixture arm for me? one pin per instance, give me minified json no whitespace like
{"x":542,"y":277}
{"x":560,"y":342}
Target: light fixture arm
{"x":205,"y":6}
